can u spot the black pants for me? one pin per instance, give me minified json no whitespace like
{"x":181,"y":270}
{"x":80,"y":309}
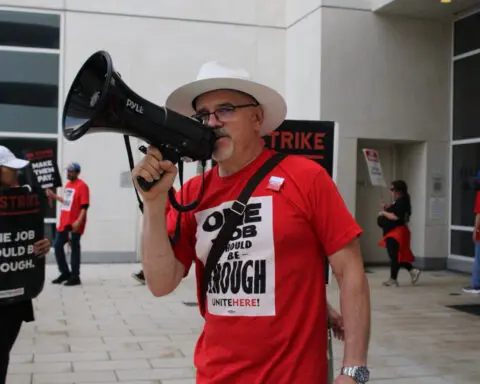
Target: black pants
{"x":393,"y":248}
{"x":60,"y":240}
{"x":9,"y":330}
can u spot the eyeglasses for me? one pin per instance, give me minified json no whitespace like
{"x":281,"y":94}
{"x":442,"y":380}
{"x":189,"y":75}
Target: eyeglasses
{"x":222,"y":114}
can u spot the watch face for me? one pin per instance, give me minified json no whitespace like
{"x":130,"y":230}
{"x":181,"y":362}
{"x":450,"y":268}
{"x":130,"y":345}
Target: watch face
{"x":362,"y":374}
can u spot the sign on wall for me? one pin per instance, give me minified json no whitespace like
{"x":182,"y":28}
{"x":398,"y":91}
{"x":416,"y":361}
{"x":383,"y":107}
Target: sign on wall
{"x":312,"y":139}
{"x":22,"y":273}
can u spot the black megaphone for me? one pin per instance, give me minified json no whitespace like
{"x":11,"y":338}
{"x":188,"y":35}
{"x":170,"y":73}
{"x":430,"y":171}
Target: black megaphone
{"x":99,"y":101}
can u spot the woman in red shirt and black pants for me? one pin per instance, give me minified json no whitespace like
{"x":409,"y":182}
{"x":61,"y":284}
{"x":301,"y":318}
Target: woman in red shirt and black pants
{"x":393,"y":219}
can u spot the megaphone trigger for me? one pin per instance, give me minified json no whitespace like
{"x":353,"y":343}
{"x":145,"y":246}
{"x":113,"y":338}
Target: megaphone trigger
{"x":144,"y":184}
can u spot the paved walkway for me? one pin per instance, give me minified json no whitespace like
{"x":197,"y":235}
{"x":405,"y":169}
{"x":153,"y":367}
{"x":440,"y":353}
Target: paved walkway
{"x":112,"y":330}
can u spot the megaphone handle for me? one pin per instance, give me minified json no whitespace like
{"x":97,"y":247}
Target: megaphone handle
{"x":167,"y":155}
{"x":144,"y":184}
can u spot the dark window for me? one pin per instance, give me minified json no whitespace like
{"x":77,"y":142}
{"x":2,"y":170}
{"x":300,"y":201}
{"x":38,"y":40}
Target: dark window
{"x":34,"y":30}
{"x":462,"y":243}
{"x":466,"y":98}
{"x":18,"y":147}
{"x":466,"y":163}
{"x":467,"y":34}
{"x":29,"y":92}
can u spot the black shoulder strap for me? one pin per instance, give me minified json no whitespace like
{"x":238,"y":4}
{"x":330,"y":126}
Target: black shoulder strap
{"x":238,"y":208}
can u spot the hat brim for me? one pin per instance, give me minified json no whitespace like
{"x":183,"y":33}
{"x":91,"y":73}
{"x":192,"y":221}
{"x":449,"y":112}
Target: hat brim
{"x":273,"y":104}
{"x":16,"y":164}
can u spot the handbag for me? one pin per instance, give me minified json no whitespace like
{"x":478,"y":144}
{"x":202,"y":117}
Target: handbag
{"x":238,"y":208}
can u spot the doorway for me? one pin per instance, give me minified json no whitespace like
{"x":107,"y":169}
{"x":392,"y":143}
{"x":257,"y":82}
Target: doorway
{"x":404,"y":160}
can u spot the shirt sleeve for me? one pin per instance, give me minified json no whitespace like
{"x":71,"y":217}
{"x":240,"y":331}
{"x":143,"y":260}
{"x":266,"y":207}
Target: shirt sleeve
{"x":84,"y":196}
{"x":184,"y":247}
{"x":477,"y":203}
{"x":334,"y":225}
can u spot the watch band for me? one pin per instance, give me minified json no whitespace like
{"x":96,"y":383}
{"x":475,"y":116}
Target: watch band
{"x":360,"y":374}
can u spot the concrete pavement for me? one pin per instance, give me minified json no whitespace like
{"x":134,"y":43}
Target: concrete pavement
{"x":112,"y":330}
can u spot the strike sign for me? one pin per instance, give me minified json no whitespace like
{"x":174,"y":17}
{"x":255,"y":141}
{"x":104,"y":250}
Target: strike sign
{"x":374,"y":167}
{"x":312,"y":139}
{"x":22,"y":273}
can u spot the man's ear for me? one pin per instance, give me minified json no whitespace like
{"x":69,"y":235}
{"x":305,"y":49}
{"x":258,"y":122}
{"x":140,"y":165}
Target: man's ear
{"x":258,"y":116}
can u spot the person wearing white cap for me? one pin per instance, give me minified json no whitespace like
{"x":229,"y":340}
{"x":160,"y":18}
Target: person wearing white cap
{"x":266,"y":309}
{"x":13,"y":315}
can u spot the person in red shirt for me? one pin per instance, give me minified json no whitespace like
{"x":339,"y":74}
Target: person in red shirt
{"x":71,"y":226}
{"x":266,"y":308}
{"x":475,"y":282}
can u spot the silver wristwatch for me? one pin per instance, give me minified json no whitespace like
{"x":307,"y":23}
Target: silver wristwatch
{"x":360,"y":374}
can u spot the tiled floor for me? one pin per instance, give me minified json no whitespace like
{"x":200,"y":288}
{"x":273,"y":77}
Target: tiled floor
{"x":112,"y":330}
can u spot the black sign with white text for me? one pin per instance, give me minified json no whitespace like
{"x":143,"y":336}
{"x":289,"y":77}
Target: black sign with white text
{"x":312,"y":139}
{"x":43,"y":164}
{"x":22,"y":273}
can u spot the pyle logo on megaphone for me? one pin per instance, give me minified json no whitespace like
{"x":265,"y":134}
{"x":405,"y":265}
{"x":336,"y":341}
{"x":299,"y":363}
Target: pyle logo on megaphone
{"x":135,"y":106}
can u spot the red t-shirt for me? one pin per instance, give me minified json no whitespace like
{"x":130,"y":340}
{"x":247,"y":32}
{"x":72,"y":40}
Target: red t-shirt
{"x":266,"y":307}
{"x":75,"y":194}
{"x":477,"y":211}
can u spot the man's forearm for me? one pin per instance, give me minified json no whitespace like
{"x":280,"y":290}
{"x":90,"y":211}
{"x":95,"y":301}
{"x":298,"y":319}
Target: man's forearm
{"x":81,"y":217}
{"x":58,"y":198}
{"x":477,"y":222}
{"x":355,"y":305}
{"x":161,"y":268}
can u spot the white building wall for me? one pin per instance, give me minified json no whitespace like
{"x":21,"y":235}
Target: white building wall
{"x":389,"y":78}
{"x":156,"y":46}
{"x":378,"y":77}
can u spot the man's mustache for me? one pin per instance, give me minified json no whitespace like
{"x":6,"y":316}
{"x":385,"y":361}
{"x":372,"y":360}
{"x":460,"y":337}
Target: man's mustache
{"x":220,"y":132}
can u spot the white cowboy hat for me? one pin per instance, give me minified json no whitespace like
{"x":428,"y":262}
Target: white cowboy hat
{"x":214,"y":76}
{"x":8,"y":159}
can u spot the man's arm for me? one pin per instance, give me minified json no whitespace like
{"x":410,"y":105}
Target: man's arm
{"x":54,"y":196}
{"x":163,"y":271}
{"x":80,"y":219}
{"x":347,"y":266}
{"x":389,"y":215}
{"x":84,"y":196}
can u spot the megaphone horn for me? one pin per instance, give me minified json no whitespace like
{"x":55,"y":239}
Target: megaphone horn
{"x":99,"y":101}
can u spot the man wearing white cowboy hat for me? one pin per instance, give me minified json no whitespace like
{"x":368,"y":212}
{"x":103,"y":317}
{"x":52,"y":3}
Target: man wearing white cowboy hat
{"x":265,"y":312}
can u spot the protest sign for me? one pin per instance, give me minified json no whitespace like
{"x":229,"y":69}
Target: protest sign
{"x":43,"y":164}
{"x":22,"y":273}
{"x":374,"y":167}
{"x":312,"y":139}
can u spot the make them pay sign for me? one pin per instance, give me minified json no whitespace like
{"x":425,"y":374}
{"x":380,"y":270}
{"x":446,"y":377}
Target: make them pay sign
{"x":44,"y":170}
